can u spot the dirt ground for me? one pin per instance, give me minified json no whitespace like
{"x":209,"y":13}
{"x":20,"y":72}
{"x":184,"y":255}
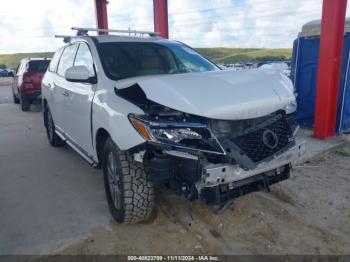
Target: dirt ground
{"x":308,"y":214}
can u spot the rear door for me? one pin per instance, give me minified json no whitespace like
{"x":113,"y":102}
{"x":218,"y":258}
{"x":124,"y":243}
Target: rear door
{"x":47,"y":85}
{"x":78,"y":102}
{"x":15,"y":80}
{"x":60,"y":86}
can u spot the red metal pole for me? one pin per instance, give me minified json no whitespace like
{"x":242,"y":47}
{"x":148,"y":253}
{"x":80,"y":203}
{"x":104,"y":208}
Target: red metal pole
{"x":160,"y":12}
{"x":101,"y":15}
{"x":329,"y":66}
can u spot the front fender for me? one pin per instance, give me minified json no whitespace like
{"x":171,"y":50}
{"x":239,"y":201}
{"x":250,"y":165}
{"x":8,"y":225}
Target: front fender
{"x":110,"y":112}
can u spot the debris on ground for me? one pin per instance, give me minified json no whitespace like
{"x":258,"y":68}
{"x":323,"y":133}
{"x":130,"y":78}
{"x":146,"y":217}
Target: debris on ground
{"x":306,"y":214}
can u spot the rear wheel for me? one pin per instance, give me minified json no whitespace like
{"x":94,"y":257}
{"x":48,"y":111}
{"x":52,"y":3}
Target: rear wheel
{"x":53,"y":138}
{"x":25,"y":105}
{"x":129,"y":191}
{"x":15,"y":98}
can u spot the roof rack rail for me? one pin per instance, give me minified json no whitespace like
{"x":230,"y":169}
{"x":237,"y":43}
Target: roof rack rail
{"x":81,"y":31}
{"x":66,"y":38}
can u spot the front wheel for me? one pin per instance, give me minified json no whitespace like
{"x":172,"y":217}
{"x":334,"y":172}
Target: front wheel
{"x":129,"y":191}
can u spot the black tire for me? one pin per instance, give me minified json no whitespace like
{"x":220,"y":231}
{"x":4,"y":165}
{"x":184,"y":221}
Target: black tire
{"x":25,"y":105}
{"x":133,"y":190}
{"x":53,"y":138}
{"x":15,"y":98}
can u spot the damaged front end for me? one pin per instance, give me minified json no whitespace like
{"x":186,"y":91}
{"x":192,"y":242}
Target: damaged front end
{"x":215,"y":160}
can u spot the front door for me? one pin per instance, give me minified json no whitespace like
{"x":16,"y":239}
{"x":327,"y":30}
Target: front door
{"x":78,"y":103}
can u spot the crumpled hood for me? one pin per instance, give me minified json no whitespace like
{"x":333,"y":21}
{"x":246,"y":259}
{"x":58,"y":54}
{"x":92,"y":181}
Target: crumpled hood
{"x":229,"y":95}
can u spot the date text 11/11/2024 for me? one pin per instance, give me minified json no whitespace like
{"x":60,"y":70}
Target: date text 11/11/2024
{"x":173,"y":258}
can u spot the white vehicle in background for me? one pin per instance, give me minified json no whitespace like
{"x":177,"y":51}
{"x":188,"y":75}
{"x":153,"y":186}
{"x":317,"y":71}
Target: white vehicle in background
{"x":150,"y":112}
{"x":239,"y":66}
{"x":279,"y":67}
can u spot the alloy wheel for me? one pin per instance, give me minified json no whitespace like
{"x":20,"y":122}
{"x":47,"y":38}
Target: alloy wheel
{"x":114,"y":181}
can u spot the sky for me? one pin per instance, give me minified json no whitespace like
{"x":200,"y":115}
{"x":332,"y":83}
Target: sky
{"x":30,"y":25}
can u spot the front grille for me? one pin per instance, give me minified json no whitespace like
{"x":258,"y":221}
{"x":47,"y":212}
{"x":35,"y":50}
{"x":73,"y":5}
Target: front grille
{"x":265,"y":139}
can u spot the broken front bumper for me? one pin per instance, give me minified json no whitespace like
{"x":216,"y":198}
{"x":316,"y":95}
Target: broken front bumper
{"x":216,"y":174}
{"x":218,"y":183}
{"x":222,"y":183}
{"x":223,"y":193}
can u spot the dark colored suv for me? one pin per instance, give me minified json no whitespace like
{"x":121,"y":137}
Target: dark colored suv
{"x":26,"y":84}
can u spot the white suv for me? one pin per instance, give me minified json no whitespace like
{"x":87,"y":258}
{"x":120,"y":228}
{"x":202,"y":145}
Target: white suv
{"x":153,"y":112}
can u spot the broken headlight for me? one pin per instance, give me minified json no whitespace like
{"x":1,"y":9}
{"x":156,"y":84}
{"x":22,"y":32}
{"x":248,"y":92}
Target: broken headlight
{"x":290,"y":108}
{"x":175,"y":135}
{"x":193,"y":136}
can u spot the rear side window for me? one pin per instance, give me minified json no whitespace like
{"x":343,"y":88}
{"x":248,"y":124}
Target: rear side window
{"x":38,"y":66}
{"x":84,"y":58}
{"x":67,"y":59}
{"x":55,"y":59}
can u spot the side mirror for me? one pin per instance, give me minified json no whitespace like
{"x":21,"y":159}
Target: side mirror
{"x":78,"y":74}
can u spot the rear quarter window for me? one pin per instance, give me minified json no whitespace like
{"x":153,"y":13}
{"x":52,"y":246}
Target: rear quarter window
{"x":55,"y":59}
{"x":38,"y":66}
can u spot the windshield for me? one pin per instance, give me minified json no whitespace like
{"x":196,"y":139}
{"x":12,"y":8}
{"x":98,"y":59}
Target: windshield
{"x":129,"y":59}
{"x":39,"y":66}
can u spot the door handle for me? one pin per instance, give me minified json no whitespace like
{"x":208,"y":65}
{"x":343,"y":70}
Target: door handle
{"x":65,"y":93}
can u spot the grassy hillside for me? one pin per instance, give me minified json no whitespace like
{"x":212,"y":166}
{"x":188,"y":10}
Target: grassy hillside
{"x":12,"y":60}
{"x":219,"y":55}
{"x":233,"y":55}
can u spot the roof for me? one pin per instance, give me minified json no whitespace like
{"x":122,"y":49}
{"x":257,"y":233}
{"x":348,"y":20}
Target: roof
{"x":113,"y":36}
{"x":312,"y":28}
{"x":117,"y":38}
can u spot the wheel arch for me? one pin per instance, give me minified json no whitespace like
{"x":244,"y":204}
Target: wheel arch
{"x":101,"y":137}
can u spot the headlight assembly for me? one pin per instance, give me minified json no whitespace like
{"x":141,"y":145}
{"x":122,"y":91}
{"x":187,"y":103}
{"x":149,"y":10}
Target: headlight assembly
{"x":291,"y":108}
{"x":193,"y":136}
{"x":176,"y":135}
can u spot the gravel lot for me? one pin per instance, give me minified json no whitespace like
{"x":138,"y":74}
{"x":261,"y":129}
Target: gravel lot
{"x":5,"y":90}
{"x":51,"y":201}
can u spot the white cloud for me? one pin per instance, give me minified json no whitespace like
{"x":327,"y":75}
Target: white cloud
{"x":249,"y":23}
{"x":30,"y":25}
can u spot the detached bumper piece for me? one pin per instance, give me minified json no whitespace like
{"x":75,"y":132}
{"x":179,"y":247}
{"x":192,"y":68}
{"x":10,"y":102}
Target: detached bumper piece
{"x":222,"y":193}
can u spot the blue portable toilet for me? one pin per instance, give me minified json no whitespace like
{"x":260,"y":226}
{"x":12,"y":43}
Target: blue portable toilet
{"x":304,"y":76}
